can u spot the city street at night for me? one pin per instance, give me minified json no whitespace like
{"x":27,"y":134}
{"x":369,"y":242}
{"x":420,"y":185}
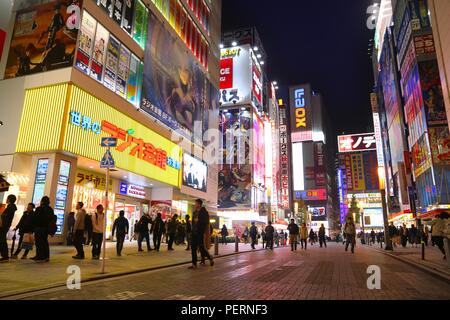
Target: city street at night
{"x":172,"y":153}
{"x":317,"y":273}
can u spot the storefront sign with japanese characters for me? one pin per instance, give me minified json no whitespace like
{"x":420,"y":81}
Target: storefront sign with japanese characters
{"x":357,"y":142}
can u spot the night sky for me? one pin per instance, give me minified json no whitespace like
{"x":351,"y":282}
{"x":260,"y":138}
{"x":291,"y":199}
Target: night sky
{"x":323,"y":42}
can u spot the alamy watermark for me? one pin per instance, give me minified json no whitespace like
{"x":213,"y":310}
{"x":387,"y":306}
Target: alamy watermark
{"x":74,"y":280}
{"x":374,"y":280}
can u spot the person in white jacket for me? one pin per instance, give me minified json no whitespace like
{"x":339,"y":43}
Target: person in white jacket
{"x":437,"y":231}
{"x":98,"y":226}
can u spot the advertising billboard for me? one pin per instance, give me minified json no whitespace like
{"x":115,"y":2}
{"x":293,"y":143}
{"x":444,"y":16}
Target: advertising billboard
{"x":235,"y":172}
{"x":312,"y":195}
{"x":319,"y":168}
{"x":298,"y":175}
{"x":439,"y":143}
{"x":258,"y":151}
{"x":420,"y":156}
{"x":318,"y":213}
{"x":99,"y":53}
{"x":236,"y":76}
{"x":45,"y":36}
{"x":357,"y":142}
{"x":195,"y":173}
{"x":301,"y":113}
{"x":175,"y":90}
{"x":257,"y":85}
{"x":359,"y":183}
{"x":432,"y":93}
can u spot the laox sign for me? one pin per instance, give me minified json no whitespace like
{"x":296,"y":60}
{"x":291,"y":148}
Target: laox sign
{"x":300,"y":108}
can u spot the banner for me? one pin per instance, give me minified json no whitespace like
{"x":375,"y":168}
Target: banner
{"x":319,"y":168}
{"x":359,"y":183}
{"x":122,"y":71}
{"x":99,"y":53}
{"x":432,"y":93}
{"x":175,"y":90}
{"x":44,"y":38}
{"x":87,"y":33}
{"x":112,"y":60}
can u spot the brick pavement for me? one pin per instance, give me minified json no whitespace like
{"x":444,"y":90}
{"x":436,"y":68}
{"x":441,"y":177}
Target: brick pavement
{"x":319,"y":274}
{"x":18,"y":276}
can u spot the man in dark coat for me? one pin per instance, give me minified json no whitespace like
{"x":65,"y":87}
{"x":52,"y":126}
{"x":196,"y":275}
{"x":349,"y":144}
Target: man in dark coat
{"x":6,"y":220}
{"x":254,"y":234}
{"x":171,"y":231}
{"x":121,"y":225}
{"x":24,"y":226}
{"x":157,"y":231}
{"x":188,"y":232}
{"x":43,"y":215}
{"x":144,"y":232}
{"x":200,"y":221}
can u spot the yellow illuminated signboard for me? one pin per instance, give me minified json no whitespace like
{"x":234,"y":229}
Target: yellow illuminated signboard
{"x":64,"y":117}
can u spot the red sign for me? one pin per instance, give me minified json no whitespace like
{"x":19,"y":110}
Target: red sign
{"x":257,"y":84}
{"x":424,"y":44}
{"x":357,"y":142}
{"x":140,"y":149}
{"x":2,"y":41}
{"x":226,"y":73}
{"x":312,"y":195}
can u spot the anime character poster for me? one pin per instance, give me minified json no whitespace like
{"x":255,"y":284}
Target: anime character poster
{"x":174,"y":87}
{"x":235,"y":174}
{"x":44,"y":38}
{"x":432,"y":93}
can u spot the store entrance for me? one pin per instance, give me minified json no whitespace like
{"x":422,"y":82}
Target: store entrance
{"x":133,"y":212}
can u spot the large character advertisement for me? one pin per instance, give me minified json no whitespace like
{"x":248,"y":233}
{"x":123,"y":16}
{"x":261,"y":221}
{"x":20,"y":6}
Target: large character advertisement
{"x":45,"y":36}
{"x":432,"y":93}
{"x":174,"y":87}
{"x":235,"y":175}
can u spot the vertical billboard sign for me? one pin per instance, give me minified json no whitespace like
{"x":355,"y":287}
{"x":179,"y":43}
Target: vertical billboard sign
{"x":112,"y":60}
{"x":235,"y":172}
{"x":87,"y":34}
{"x":257,"y":85}
{"x":284,"y":159}
{"x":99,"y":53}
{"x":62,"y":194}
{"x":45,"y":37}
{"x":235,"y":76}
{"x":301,"y":113}
{"x":319,"y":168}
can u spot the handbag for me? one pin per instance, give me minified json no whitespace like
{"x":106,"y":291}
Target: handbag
{"x":28,"y":241}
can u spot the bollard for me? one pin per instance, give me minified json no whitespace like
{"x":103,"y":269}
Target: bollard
{"x":423,"y":250}
{"x":236,"y":243}
{"x":216,"y":245}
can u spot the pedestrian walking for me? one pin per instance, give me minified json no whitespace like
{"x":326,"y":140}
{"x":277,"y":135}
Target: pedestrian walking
{"x":263,"y":236}
{"x":207,"y":242}
{"x":89,"y":229}
{"x":350,"y":233}
{"x":157,"y":231}
{"x":135,"y":231}
{"x":393,"y":235}
{"x":426,"y":235}
{"x":224,"y":234}
{"x":98,"y":227}
{"x":70,"y":228}
{"x":188,"y":232}
{"x":312,"y":237}
{"x":144,"y":232}
{"x":413,"y":232}
{"x":294,"y":231}
{"x":437,"y":232}
{"x":322,"y":236}
{"x":304,"y":236}
{"x":171,"y":231}
{"x":269,"y":236}
{"x":254,"y":235}
{"x":43,"y":222}
{"x":404,"y":234}
{"x":372,"y":237}
{"x":25,"y":227}
{"x":246,"y":234}
{"x":200,"y":221}
{"x":120,"y":228}
{"x":6,"y":219}
{"x":79,"y":227}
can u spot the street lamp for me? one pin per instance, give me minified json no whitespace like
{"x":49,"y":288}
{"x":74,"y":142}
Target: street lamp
{"x":382,"y":180}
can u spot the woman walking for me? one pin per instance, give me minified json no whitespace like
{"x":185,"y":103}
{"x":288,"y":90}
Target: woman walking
{"x":25,"y":227}
{"x":350,"y":232}
{"x":304,"y":235}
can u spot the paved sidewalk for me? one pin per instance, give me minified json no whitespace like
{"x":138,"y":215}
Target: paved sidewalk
{"x":433,"y":262}
{"x":19,"y":276}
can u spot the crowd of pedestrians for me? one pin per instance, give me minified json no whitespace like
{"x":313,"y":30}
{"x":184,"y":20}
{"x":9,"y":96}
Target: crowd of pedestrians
{"x":37,"y":224}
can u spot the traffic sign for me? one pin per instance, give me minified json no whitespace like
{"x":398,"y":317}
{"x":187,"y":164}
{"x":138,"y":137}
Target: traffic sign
{"x":109,"y":142}
{"x":107,"y":161}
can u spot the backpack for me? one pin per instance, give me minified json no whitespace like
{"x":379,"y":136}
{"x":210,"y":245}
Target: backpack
{"x":52,"y":227}
{"x":88,"y":222}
